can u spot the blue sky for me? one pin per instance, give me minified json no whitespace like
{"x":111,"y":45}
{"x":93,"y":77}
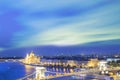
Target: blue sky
{"x":27,"y":23}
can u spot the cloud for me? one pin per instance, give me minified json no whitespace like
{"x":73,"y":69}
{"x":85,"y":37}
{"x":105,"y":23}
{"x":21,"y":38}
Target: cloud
{"x":62,"y":22}
{"x":72,"y":34}
{"x":1,"y":49}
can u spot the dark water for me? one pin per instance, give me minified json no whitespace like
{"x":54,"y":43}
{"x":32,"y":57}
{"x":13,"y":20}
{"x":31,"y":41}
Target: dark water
{"x":13,"y":70}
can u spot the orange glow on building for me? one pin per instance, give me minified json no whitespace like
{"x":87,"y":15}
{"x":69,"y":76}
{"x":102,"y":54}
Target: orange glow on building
{"x":31,"y":59}
{"x":93,"y":63}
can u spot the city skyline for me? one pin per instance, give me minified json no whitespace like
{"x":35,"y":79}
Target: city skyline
{"x":73,"y":26}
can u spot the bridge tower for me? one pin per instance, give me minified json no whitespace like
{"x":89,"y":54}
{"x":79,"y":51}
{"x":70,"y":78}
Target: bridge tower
{"x":40,"y":73}
{"x":102,"y":65}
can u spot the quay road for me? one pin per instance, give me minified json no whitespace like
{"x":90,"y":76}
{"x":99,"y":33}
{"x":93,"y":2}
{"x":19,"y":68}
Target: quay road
{"x":7,"y":60}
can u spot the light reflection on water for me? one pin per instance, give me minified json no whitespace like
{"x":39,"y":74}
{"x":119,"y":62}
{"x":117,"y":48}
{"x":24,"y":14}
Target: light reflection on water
{"x":29,"y":69}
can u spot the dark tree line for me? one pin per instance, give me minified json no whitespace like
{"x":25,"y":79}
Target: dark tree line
{"x":114,"y":63}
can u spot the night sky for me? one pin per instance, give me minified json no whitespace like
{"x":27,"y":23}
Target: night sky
{"x":51,"y":27}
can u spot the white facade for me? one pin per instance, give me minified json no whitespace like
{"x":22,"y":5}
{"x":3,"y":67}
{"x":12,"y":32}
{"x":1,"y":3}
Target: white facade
{"x":103,"y":65}
{"x":113,"y":59}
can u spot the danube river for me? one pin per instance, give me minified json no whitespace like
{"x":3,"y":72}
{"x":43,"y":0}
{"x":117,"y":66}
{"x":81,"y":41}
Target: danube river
{"x":16,"y":70}
{"x":13,"y":70}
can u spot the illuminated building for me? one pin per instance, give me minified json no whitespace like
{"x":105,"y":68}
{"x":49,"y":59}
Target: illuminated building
{"x":103,"y":65}
{"x":71,"y":63}
{"x":113,"y":59}
{"x":31,"y":59}
{"x":93,"y":63}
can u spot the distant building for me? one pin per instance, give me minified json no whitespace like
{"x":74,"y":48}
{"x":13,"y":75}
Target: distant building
{"x":71,"y":63}
{"x":31,"y":59}
{"x":112,"y":59}
{"x":82,"y":64}
{"x":56,"y":62}
{"x":93,"y":63}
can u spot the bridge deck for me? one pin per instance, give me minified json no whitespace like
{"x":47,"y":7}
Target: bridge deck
{"x":92,"y":71}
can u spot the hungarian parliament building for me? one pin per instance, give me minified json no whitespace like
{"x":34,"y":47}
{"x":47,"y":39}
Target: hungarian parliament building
{"x":31,"y":59}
